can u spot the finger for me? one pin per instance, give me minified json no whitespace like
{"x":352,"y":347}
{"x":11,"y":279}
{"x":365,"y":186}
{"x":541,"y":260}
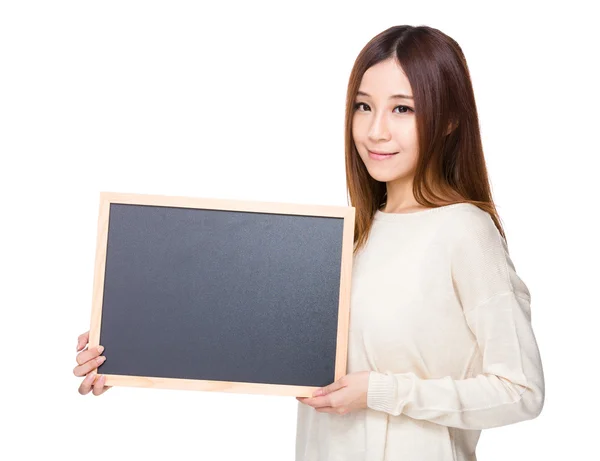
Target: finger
{"x":86,"y":385}
{"x":99,"y":387}
{"x":317,"y":406}
{"x":337,"y":411}
{"x":330,"y":388}
{"x":82,"y":340}
{"x":326,"y":410}
{"x":318,"y":402}
{"x":105,"y":389}
{"x":89,"y":354}
{"x":89,"y":366}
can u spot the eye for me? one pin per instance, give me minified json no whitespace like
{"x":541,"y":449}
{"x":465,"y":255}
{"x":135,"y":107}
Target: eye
{"x":405,"y":109}
{"x":408,"y":109}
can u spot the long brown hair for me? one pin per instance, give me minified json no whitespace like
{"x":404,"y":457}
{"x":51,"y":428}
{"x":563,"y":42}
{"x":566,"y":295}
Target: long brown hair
{"x":450,"y":167}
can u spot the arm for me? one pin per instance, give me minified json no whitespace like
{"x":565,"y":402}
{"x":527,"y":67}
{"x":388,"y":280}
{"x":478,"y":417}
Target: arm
{"x":496,"y":306}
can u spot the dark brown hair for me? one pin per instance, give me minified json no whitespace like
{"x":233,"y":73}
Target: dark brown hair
{"x":450,"y":167}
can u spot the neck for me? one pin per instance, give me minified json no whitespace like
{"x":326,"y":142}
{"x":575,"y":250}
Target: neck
{"x":400,"y":196}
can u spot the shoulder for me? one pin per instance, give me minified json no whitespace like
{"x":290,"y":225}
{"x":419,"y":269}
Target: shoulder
{"x":469,"y":224}
{"x":467,"y":214}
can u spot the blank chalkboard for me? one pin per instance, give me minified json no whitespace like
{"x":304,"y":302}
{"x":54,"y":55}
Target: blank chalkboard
{"x":221,"y":295}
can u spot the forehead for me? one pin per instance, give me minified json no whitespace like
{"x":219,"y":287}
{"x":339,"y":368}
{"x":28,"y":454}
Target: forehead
{"x":384,"y":79}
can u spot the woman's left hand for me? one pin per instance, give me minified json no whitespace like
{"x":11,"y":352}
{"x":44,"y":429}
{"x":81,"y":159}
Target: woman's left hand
{"x":343,"y":396}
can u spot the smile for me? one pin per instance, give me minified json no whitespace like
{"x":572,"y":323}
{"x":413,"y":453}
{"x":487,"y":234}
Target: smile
{"x":381,"y":156}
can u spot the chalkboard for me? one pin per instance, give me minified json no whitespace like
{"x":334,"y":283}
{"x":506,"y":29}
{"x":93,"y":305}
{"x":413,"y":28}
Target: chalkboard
{"x":221,"y":295}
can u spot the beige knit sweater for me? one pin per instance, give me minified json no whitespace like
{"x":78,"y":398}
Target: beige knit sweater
{"x":440,"y":317}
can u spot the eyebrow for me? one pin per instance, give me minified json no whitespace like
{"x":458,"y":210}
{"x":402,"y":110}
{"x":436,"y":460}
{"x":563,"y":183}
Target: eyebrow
{"x":401,"y":96}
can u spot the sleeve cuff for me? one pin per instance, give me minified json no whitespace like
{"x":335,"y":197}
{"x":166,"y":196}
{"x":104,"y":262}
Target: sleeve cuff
{"x":388,"y":393}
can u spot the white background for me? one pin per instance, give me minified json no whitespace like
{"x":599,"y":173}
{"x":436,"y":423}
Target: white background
{"x":245,"y":100}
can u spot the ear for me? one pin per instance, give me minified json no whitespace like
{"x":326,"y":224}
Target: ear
{"x":451,"y":127}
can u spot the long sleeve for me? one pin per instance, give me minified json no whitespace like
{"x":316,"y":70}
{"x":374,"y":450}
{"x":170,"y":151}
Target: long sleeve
{"x":496,"y":307}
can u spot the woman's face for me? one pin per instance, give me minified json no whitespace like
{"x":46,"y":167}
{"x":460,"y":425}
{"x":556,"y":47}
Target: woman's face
{"x":385,"y":122}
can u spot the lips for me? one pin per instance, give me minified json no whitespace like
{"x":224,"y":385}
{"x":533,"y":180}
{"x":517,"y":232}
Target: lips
{"x":381,"y":156}
{"x":381,"y":153}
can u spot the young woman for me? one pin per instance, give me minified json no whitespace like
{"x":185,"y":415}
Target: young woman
{"x":440,"y":342}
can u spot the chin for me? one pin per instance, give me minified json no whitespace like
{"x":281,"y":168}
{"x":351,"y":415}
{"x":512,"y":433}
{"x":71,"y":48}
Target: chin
{"x":387,"y":176}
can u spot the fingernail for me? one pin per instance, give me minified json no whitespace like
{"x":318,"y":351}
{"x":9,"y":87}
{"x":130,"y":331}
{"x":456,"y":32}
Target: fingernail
{"x":100,"y":349}
{"x":100,"y":359}
{"x":91,"y":377}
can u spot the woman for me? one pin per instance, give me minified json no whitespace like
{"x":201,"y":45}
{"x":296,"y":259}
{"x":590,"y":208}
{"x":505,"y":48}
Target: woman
{"x":440,"y":340}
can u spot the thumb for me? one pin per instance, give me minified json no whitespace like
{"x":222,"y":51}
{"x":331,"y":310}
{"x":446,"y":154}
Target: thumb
{"x":330,"y":388}
{"x":82,"y":340}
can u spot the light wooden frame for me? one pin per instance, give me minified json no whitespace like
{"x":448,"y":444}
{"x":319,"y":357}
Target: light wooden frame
{"x":347,"y":213}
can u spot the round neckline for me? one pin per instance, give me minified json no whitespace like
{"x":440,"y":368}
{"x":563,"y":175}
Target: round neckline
{"x":385,"y":216}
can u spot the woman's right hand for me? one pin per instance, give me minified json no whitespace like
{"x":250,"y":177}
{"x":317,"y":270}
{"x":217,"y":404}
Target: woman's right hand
{"x":87,"y":363}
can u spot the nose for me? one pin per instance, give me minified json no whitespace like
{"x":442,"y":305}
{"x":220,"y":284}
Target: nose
{"x":378,"y":131}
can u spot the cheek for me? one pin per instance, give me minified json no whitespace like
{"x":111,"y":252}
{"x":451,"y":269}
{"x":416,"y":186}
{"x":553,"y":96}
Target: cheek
{"x":358,"y":130}
{"x":357,"y":139}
